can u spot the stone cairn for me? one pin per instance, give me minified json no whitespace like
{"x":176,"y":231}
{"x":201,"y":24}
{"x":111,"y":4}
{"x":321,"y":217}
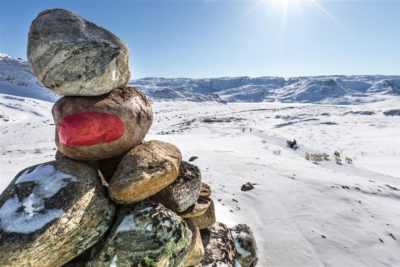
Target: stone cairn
{"x":157,"y":211}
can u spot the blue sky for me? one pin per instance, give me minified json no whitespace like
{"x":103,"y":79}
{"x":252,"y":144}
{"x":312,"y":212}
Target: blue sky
{"x":233,"y":38}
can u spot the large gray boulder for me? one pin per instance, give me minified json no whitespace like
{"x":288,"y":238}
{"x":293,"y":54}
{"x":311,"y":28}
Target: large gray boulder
{"x":144,"y":171}
{"x":245,"y":244}
{"x":184,"y":192}
{"x":101,"y":127}
{"x":51,"y":213}
{"x":146,"y":234}
{"x":74,"y":57}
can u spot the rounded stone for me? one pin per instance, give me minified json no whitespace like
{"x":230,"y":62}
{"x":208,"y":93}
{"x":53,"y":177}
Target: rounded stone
{"x":207,"y":219}
{"x":218,"y":245}
{"x":74,"y":57}
{"x":196,"y":249}
{"x":101,"y":127}
{"x":199,"y":208}
{"x":146,"y":234}
{"x":51,"y":213}
{"x":205,"y":190}
{"x":184,"y":192}
{"x":144,"y":171}
{"x":245,"y":244}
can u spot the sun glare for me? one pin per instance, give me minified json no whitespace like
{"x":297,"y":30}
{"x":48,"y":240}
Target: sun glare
{"x":282,"y":8}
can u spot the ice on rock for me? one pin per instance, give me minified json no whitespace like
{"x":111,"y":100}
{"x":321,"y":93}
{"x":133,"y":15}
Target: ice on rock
{"x":238,"y":247}
{"x":127,"y":224}
{"x":29,"y":214}
{"x":114,"y":261}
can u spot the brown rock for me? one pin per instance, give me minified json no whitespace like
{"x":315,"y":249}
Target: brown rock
{"x":51,"y":213}
{"x":207,"y":219}
{"x":219,"y":246}
{"x":193,"y":158}
{"x":144,"y":171}
{"x":198,"y":208}
{"x":205,"y":190}
{"x":196,"y":249}
{"x":93,"y":128}
{"x":247,"y":186}
{"x":184,"y":192}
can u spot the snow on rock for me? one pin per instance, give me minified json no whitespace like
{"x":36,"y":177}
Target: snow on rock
{"x":51,"y":213}
{"x":48,"y":182}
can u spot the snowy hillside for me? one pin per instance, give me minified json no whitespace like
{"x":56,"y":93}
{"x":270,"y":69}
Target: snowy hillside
{"x":16,"y":79}
{"x":324,"y":89}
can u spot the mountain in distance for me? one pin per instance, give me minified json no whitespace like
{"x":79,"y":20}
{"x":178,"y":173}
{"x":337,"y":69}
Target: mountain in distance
{"x":16,"y":78}
{"x":338,"y":89}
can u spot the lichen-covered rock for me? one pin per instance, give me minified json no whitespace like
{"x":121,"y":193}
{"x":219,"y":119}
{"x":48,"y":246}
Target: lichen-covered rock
{"x":101,"y":127}
{"x":147,"y":234}
{"x":205,"y":190}
{"x":184,"y":192}
{"x":219,"y":246}
{"x":51,"y":213}
{"x":207,"y":219}
{"x":199,"y":208}
{"x":144,"y":171}
{"x":74,"y":57}
{"x":245,"y":244}
{"x":196,"y":249}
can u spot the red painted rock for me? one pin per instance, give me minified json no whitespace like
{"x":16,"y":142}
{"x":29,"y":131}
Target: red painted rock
{"x":93,"y":128}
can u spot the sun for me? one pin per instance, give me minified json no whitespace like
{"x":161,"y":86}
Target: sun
{"x":282,"y":7}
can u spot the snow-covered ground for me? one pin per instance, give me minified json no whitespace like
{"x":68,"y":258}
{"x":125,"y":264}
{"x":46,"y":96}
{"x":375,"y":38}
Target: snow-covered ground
{"x":302,"y":214}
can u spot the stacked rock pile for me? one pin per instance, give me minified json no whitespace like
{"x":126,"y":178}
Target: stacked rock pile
{"x":109,"y":198}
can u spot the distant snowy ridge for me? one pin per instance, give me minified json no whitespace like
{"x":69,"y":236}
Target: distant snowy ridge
{"x":319,"y":89}
{"x":17,"y":79}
